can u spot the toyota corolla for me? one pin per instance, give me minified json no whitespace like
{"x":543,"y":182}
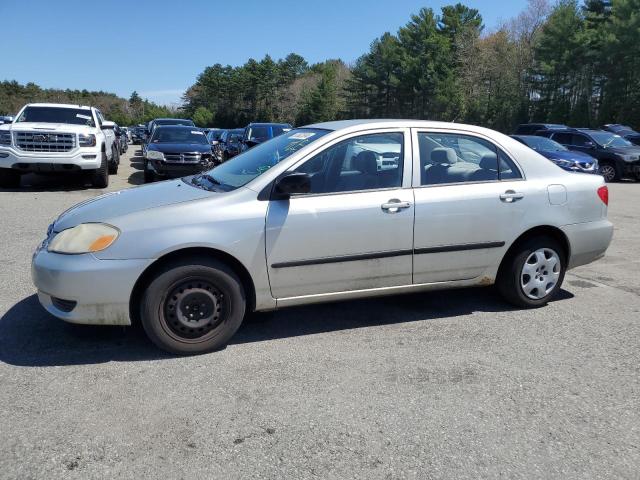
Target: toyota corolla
{"x":312,"y":216}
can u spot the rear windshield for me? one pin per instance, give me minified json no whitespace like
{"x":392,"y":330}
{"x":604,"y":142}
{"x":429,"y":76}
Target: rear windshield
{"x":74,"y":116}
{"x":178,"y":135}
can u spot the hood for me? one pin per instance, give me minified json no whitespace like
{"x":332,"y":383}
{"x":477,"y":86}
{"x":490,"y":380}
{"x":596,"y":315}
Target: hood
{"x":180,"y":147}
{"x":631,"y":150}
{"x":571,"y":155}
{"x":49,"y":127}
{"x":115,"y":204}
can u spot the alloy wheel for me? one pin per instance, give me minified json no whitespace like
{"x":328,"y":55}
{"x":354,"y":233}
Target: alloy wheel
{"x":608,"y":172}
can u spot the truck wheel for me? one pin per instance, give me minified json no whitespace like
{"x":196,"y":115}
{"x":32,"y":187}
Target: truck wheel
{"x":100,"y":177}
{"x":115,"y":161}
{"x":610,"y":172}
{"x":533,"y":274}
{"x":9,"y":178}
{"x":193,"y":306}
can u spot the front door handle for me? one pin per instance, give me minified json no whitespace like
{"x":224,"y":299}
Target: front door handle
{"x":511,"y":196}
{"x":394,"y":205}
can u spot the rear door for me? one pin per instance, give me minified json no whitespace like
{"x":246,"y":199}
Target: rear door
{"x":468,"y":206}
{"x":354,"y":230}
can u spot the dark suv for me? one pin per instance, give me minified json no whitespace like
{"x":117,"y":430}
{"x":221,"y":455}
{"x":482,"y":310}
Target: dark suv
{"x":229,"y":145}
{"x":163,"y":121}
{"x":532,"y":128}
{"x":624,"y":131}
{"x":616,"y":156}
{"x":256,"y":133}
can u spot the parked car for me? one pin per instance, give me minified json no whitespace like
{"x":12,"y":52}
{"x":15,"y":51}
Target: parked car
{"x":176,"y":151}
{"x":5,"y":119}
{"x":53,"y":137}
{"x":121,"y":137}
{"x":229,"y":144}
{"x":624,"y":131}
{"x":566,"y":159}
{"x":213,"y":136}
{"x":299,"y":219}
{"x":616,"y":156}
{"x":256,"y":133}
{"x":162,"y":121}
{"x":532,"y":128}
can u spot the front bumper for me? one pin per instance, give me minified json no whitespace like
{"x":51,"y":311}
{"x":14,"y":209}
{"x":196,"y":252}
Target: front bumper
{"x":101,"y":289}
{"x":588,"y":241}
{"x":75,"y":160}
{"x":176,"y":170}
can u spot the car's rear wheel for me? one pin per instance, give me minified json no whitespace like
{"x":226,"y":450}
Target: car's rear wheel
{"x":533,"y":273}
{"x":9,"y":178}
{"x":100,"y":176}
{"x":194,"y":306}
{"x":610,"y":172}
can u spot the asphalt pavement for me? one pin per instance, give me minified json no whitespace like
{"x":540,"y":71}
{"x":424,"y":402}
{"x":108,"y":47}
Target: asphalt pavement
{"x":454,"y":385}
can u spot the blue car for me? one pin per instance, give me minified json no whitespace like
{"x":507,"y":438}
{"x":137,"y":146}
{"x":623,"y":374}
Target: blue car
{"x":566,"y":159}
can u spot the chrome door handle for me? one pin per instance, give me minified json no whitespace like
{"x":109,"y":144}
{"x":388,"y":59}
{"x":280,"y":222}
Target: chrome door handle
{"x":394,"y":205}
{"x":511,"y":196}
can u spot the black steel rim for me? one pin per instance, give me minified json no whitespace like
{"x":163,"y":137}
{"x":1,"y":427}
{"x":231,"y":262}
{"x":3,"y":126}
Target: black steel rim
{"x":193,"y":309}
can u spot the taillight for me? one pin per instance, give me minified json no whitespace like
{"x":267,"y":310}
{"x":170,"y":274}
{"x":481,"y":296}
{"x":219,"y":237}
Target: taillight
{"x":603,"y":193}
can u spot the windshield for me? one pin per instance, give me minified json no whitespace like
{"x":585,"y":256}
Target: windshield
{"x":249,"y":165}
{"x":544,"y":144}
{"x":74,"y":116}
{"x":215,"y":135}
{"x":178,"y":135}
{"x":607,"y":139}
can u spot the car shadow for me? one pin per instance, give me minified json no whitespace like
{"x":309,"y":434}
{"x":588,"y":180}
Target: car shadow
{"x":63,"y":182}
{"x":29,"y":336}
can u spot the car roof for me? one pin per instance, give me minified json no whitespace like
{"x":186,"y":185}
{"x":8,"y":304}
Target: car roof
{"x":265,"y":124}
{"x":59,"y":105}
{"x":186,"y":127}
{"x":181,"y":119}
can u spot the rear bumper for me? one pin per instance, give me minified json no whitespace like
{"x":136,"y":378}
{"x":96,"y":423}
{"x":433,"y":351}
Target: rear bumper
{"x":97,"y":291}
{"x":588,"y":241}
{"x":26,"y":162}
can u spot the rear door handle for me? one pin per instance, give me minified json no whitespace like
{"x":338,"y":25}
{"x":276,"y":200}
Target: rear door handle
{"x":394,"y":205}
{"x":511,"y":196}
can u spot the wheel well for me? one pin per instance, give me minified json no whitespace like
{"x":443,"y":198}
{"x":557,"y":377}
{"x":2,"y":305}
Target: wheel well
{"x":221,"y":256}
{"x":543,"y":230}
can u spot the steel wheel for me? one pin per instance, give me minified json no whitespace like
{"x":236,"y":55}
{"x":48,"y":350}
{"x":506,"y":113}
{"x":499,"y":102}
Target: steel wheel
{"x":608,"y":172}
{"x":193,"y":309}
{"x":540,"y":273}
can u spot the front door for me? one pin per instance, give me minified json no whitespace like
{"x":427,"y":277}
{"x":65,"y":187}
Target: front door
{"x":354,"y":230}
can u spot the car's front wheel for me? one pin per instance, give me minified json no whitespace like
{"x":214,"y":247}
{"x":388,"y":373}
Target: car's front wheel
{"x":100,"y":176}
{"x":533,"y":273}
{"x":193,"y":306}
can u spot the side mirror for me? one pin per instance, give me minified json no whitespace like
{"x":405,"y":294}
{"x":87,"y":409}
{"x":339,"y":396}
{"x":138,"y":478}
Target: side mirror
{"x":250,"y":142}
{"x":291,"y":184}
{"x":589,"y":144}
{"x":106,"y":125}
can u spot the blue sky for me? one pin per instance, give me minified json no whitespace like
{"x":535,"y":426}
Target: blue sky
{"x":158,"y":47}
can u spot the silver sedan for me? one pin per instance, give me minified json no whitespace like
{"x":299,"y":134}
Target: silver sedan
{"x":327,"y":212}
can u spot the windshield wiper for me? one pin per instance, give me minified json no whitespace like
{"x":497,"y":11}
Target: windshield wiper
{"x":211,"y":179}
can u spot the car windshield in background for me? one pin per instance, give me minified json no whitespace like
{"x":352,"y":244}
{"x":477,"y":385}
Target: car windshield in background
{"x":254,"y":162}
{"x":75,"y":116}
{"x":610,"y":139}
{"x":178,"y":135}
{"x":544,"y":144}
{"x":215,"y":135}
{"x":187,"y":123}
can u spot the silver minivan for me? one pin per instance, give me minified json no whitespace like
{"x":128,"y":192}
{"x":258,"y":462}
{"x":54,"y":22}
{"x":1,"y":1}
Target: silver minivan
{"x":327,"y":212}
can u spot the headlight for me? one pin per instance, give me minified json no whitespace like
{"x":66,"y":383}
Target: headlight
{"x":564,"y":163}
{"x":5,"y":137}
{"x":154,"y":155}
{"x":88,"y":140}
{"x":84,"y":238}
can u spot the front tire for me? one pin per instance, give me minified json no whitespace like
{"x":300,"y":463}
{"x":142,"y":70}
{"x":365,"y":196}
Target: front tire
{"x":149,"y":175}
{"x":610,"y":172}
{"x":100,"y":177}
{"x":9,"y":178}
{"x":115,"y":161}
{"x":194,"y":306}
{"x":532,"y":275}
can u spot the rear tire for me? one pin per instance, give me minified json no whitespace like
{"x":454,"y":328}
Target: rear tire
{"x":100,"y":177}
{"x":193,"y":306}
{"x":115,"y":161}
{"x":9,"y":178}
{"x":533,"y":273}
{"x":610,"y":172}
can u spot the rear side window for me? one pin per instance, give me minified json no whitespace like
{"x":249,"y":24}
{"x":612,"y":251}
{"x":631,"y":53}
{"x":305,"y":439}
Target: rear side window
{"x":454,"y":158}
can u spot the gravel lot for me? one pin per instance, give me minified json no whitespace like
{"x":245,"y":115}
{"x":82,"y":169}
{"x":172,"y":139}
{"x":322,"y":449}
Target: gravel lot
{"x":444,"y":385}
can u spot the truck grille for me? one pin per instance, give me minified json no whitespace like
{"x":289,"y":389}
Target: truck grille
{"x":182,"y":157}
{"x":45,"y":142}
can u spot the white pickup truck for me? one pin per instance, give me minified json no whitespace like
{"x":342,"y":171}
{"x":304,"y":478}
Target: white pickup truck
{"x":52,"y":137}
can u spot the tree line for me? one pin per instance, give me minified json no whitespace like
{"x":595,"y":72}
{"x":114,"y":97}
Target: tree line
{"x":13,"y":96}
{"x":571,"y":62}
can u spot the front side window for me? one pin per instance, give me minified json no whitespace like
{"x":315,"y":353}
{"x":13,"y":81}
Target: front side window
{"x":366,"y":162}
{"x":456,"y":158}
{"x":563,"y":138}
{"x":73,"y":116}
